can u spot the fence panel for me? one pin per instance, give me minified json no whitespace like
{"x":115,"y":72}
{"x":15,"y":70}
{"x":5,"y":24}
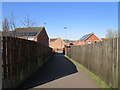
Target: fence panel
{"x":21,"y":58}
{"x":100,"y":58}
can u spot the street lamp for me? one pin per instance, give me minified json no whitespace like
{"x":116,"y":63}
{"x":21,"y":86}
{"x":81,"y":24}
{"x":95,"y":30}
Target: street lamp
{"x":65,"y":41}
{"x":44,"y":24}
{"x":66,"y":33}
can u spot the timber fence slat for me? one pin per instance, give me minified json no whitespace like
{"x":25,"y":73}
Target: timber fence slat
{"x":100,"y":58}
{"x":21,"y":58}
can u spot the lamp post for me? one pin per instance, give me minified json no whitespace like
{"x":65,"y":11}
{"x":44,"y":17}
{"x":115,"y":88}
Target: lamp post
{"x":44,"y":24}
{"x":65,"y":51}
{"x":65,"y":28}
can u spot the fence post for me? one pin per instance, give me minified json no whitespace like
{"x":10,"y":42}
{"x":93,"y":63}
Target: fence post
{"x":118,"y":58}
{"x":0,"y":61}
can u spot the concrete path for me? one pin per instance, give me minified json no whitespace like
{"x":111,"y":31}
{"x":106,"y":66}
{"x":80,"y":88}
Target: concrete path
{"x":59,"y":72}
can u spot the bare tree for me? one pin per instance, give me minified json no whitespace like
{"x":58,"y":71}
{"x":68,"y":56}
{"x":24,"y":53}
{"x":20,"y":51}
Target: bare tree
{"x":0,"y":24}
{"x":5,"y":25}
{"x":12,"y":23}
{"x":28,"y":22}
{"x":112,"y":33}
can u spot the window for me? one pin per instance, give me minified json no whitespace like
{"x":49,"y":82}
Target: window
{"x":70,"y":44}
{"x":88,"y":42}
{"x":31,"y":38}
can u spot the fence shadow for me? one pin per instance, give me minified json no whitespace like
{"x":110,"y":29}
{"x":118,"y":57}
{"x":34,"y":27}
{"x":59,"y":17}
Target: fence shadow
{"x":57,"y":67}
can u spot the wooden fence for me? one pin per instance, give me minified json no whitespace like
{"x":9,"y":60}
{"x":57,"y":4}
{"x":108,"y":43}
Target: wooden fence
{"x":21,"y":58}
{"x":100,"y":58}
{"x":0,"y":63}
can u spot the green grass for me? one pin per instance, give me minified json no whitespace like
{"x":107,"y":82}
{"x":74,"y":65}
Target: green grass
{"x":100,"y":82}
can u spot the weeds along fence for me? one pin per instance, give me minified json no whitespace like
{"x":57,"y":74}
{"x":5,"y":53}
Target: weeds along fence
{"x":21,"y":58}
{"x":101,"y":58}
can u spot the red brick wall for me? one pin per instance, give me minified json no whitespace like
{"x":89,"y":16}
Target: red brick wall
{"x":79,"y":43}
{"x":43,"y":38}
{"x":35,"y":39}
{"x":92,"y":38}
{"x":57,"y":44}
{"x":23,"y":38}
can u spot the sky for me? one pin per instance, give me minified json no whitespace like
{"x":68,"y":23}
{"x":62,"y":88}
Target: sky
{"x":80,"y":18}
{"x":60,"y":0}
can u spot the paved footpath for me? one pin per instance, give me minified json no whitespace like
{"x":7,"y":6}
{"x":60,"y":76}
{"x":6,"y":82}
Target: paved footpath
{"x":59,"y":72}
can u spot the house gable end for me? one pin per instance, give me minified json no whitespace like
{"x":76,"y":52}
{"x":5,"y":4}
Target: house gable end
{"x":92,"y":38}
{"x":42,"y":33}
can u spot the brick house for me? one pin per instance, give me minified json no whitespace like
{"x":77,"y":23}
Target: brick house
{"x":69,"y":42}
{"x":88,"y":39}
{"x":37,"y":34}
{"x":56,"y":43}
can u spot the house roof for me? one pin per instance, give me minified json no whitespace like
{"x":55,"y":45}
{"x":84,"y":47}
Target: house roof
{"x":31,"y":31}
{"x":52,"y":39}
{"x":5,"y":33}
{"x":104,"y":38}
{"x":84,"y":37}
{"x":69,"y":41}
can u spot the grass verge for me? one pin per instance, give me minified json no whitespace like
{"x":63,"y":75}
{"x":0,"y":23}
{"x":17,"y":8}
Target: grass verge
{"x":100,"y":82}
